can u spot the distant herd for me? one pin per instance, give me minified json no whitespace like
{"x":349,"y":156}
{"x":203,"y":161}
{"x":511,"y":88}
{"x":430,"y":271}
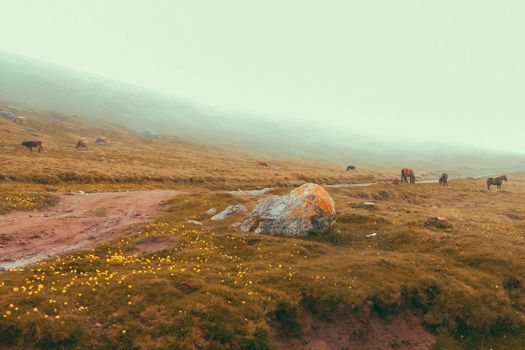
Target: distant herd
{"x":407,"y":174}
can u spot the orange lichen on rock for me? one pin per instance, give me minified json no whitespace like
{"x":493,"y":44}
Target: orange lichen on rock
{"x":307,"y":209}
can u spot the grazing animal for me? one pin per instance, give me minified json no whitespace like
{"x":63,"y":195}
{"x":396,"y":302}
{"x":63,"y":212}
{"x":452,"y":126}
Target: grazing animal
{"x":443,"y":180}
{"x":407,"y":174}
{"x":20,"y":120}
{"x":350,"y":168}
{"x":33,"y":144}
{"x":261,"y":163}
{"x":81,"y":144}
{"x":498,"y":181}
{"x":470,"y":178}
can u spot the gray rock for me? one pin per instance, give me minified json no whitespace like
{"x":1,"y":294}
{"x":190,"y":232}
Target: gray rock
{"x":230,"y":211}
{"x":307,"y":209}
{"x":7,"y":114}
{"x":211,"y":211}
{"x":240,"y":192}
{"x":194,"y":222}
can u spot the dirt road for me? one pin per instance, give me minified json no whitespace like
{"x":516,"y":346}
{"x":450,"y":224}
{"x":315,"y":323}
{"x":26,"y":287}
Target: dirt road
{"x":77,"y":221}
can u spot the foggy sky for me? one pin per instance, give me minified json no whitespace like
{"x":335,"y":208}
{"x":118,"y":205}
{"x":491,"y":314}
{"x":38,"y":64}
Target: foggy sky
{"x":447,"y":70}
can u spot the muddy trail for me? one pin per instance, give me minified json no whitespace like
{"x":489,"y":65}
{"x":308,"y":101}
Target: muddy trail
{"x":81,"y":220}
{"x":77,"y":221}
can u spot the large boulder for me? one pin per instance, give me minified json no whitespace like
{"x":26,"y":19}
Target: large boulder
{"x":307,"y":209}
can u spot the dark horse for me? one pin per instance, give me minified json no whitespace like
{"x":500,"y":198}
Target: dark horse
{"x":350,"y":168}
{"x":33,"y":144}
{"x":443,"y":180}
{"x":496,"y":181}
{"x":408,"y":174}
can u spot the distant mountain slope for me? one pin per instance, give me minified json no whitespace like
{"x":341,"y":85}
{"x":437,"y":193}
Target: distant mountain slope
{"x":42,"y":86}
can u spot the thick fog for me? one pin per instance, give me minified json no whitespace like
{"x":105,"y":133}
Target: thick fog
{"x":382,"y":83}
{"x":44,"y":87}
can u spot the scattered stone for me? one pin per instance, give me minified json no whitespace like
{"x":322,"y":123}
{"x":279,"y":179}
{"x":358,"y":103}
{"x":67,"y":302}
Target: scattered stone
{"x":437,"y":223}
{"x":194,"y":222}
{"x":7,"y":114}
{"x":240,"y":192}
{"x":101,"y":141}
{"x":230,"y":211}
{"x":79,"y":193}
{"x":33,"y":133}
{"x":103,"y":159}
{"x":151,"y":134}
{"x":371,"y":235}
{"x":369,"y":204}
{"x":211,"y":211}
{"x":307,"y":209}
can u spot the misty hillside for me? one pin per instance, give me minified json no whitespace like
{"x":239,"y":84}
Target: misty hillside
{"x":36,"y":85}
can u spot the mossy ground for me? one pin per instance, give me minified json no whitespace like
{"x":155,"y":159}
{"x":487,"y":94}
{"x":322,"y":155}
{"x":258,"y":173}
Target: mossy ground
{"x":214,"y":287}
{"x":452,"y":257}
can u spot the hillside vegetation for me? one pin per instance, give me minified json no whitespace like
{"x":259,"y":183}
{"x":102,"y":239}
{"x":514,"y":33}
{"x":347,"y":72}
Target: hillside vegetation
{"x":132,"y":158}
{"x":422,"y":267}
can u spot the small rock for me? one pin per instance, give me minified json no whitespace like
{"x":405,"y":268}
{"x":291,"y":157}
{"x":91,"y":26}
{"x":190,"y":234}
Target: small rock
{"x":103,"y":159}
{"x":371,"y":235}
{"x":211,"y":211}
{"x":230,"y":211}
{"x":369,"y":204}
{"x":194,"y":222}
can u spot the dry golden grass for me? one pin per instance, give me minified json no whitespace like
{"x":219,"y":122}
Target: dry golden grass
{"x":212,"y":286}
{"x":448,"y":258}
{"x":132,"y":158}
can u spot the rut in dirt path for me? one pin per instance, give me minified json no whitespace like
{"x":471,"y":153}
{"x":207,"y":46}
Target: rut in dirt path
{"x":77,"y":221}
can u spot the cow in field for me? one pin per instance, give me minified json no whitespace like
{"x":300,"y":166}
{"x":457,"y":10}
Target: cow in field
{"x":33,"y":144}
{"x":350,"y":168}
{"x":81,"y":144}
{"x":261,"y":163}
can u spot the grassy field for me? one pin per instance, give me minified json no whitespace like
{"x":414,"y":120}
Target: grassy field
{"x":130,"y":158}
{"x":425,"y":267}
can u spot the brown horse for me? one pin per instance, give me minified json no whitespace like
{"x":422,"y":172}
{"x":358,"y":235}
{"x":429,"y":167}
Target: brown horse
{"x":408,"y":174}
{"x":443,"y":180}
{"x":498,"y":181}
{"x":81,"y":144}
{"x":33,"y":144}
{"x":261,"y":163}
